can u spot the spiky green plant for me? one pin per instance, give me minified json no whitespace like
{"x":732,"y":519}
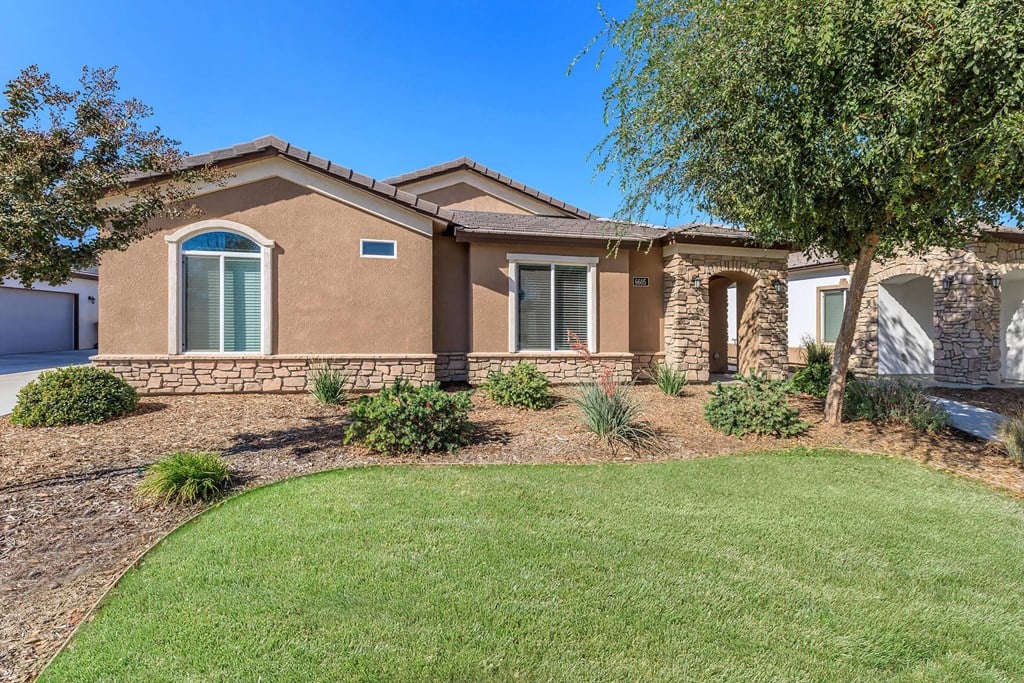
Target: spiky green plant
{"x":329,"y":385}
{"x":185,"y":478}
{"x":611,"y":412}
{"x":671,"y":380}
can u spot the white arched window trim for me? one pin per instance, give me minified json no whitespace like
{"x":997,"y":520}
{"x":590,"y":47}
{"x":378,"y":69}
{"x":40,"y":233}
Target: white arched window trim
{"x":176,"y":302}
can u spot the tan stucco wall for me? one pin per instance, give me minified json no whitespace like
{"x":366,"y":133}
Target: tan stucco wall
{"x":451,"y":295}
{"x":326,"y":298}
{"x":468,"y":198}
{"x":647,"y":304}
{"x":488,"y":272}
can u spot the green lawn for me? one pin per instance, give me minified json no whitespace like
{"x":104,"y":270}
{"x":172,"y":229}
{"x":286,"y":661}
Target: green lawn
{"x":757,"y":568}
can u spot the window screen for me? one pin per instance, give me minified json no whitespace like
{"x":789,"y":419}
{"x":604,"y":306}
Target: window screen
{"x":553,"y":301}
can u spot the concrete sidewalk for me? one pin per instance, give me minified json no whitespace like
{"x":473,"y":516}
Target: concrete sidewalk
{"x":19,"y":369}
{"x":976,"y":421}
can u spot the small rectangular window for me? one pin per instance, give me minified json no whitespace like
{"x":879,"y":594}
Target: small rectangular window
{"x":833,"y":302}
{"x":378,"y":249}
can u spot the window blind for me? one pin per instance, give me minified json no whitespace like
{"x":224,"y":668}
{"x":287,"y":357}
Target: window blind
{"x":832,"y":305}
{"x":202,"y":303}
{"x":241,"y":304}
{"x":570,"y":305}
{"x":535,"y":307}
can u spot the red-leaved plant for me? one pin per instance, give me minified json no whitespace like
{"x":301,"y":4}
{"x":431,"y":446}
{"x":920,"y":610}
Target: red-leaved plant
{"x":606,"y":376}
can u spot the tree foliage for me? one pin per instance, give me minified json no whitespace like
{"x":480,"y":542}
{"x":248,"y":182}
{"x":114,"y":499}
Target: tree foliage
{"x":851,"y":128}
{"x":62,"y":152}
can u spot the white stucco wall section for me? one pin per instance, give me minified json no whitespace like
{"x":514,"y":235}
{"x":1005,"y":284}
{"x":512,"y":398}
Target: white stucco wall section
{"x":905,"y":326}
{"x":1012,"y":326}
{"x":88,"y":311}
{"x":803,"y":299}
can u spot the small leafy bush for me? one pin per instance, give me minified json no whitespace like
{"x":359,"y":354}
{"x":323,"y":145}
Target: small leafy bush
{"x":522,"y":386}
{"x":815,"y":352}
{"x":753,"y":405}
{"x":669,"y":379}
{"x":893,"y":400}
{"x":407,"y":419}
{"x":329,"y":385}
{"x":81,"y":394}
{"x":611,"y":412}
{"x":185,"y":478}
{"x":1011,"y":432}
{"x":814,"y":380}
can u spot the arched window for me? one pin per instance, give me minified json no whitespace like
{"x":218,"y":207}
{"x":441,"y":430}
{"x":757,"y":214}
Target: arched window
{"x":219,"y":289}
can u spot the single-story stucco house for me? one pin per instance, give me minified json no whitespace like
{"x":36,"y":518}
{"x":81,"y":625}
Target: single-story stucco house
{"x":44,"y":317}
{"x":449,"y":272}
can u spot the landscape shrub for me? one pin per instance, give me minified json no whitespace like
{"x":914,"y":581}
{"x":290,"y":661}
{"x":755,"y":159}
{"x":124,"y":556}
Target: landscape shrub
{"x":816,"y":352}
{"x":671,"y":380}
{"x":893,"y":400}
{"x":185,"y":478}
{"x":80,"y":394}
{"x":522,"y":386}
{"x":814,"y":380}
{"x":407,"y":419}
{"x":611,"y":412}
{"x":329,"y":385}
{"x":753,"y":405}
{"x":1011,"y":432}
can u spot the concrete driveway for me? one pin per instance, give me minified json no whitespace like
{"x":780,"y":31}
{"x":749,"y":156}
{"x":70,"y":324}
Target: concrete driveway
{"x":19,"y":369}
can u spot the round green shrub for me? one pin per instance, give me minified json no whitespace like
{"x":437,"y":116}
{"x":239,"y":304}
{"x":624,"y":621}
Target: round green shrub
{"x":79,"y":394}
{"x":753,"y":405}
{"x":185,"y":477}
{"x":407,"y":419}
{"x":523,"y":386}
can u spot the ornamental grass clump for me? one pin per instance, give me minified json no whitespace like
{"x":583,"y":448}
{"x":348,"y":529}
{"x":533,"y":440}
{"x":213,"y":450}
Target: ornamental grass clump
{"x":669,"y":379}
{"x":1011,"y":433}
{"x":522,"y":386}
{"x":754,"y":404}
{"x":894,"y":401}
{"x":609,"y":409}
{"x":80,"y":394}
{"x":404,"y":418}
{"x":185,"y":478}
{"x":329,"y":385}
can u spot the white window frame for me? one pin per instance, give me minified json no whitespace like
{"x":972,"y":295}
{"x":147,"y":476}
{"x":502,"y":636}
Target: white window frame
{"x":514,"y":261}
{"x":176,"y":280}
{"x":393,"y":243}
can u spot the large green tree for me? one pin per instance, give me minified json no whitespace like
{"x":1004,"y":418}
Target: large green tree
{"x":62,"y":154}
{"x":854,"y":128}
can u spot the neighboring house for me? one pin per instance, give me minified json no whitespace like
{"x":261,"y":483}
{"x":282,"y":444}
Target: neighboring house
{"x":953,"y":316}
{"x":44,"y":318}
{"x":444,"y":273}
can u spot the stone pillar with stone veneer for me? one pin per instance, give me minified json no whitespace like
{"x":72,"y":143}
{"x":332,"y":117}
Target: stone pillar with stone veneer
{"x":688,"y":335}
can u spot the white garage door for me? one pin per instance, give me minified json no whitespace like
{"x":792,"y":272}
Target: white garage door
{"x":32,"y":321}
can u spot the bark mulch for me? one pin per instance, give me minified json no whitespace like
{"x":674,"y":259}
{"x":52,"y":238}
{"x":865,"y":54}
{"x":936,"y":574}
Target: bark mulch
{"x":1004,"y":401}
{"x":69,"y":524}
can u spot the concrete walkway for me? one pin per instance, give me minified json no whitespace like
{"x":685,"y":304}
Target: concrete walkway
{"x":976,"y":421}
{"x":19,"y":369}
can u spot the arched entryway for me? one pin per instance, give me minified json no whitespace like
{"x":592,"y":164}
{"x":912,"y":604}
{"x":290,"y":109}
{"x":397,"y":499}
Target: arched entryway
{"x":731,"y":323}
{"x":1011,"y":326}
{"x":906,"y":343}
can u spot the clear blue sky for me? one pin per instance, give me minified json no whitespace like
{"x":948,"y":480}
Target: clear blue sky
{"x":382,"y":87}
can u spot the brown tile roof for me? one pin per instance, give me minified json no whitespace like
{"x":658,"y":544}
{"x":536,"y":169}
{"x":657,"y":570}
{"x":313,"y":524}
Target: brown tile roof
{"x":270,"y":145}
{"x":511,"y":226}
{"x":465,"y":163}
{"x":506,"y":226}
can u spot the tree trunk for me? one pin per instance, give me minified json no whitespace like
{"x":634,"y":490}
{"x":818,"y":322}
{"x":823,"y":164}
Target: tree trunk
{"x":844,"y":343}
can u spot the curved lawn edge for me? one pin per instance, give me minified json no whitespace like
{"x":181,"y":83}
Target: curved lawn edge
{"x":796,"y":452}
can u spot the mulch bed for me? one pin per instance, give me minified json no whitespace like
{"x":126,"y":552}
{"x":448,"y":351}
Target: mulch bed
{"x":69,"y":524}
{"x":1003,"y":401}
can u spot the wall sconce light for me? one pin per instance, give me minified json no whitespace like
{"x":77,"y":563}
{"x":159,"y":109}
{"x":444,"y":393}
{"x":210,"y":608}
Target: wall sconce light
{"x":947,"y":282}
{"x":994,"y":279}
{"x":92,"y":299}
{"x":696,"y":281}
{"x":777,"y":285}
